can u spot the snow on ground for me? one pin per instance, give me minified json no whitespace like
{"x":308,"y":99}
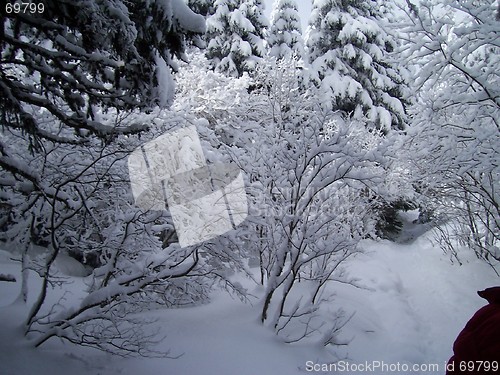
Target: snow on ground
{"x":417,"y":304}
{"x":412,"y":305}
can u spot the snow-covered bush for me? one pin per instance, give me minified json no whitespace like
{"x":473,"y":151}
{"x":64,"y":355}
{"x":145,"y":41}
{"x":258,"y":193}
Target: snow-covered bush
{"x":311,"y":182}
{"x":455,"y":135}
{"x":92,"y":211}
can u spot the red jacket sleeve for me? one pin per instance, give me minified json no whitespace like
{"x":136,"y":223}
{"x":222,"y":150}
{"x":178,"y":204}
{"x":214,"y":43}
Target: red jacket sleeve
{"x":480,"y":339}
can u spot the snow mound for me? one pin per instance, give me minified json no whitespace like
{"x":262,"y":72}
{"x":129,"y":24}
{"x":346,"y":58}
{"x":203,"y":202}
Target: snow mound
{"x":70,"y":266}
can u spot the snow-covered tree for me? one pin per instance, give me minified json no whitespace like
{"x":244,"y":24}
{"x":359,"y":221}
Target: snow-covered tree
{"x":349,"y":51}
{"x":78,"y":56}
{"x":285,"y":33}
{"x":60,"y":71}
{"x":456,"y":133}
{"x":62,"y":68}
{"x":236,"y":36}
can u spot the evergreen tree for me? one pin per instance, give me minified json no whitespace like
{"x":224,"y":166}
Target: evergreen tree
{"x":285,"y":34}
{"x":349,"y":53}
{"x":236,"y":34}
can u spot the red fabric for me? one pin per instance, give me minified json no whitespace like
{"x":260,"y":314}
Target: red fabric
{"x":480,"y":339}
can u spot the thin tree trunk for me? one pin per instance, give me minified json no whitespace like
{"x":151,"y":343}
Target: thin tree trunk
{"x":43,"y":293}
{"x":23,"y":294}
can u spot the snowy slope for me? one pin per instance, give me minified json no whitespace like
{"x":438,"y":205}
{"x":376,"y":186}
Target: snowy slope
{"x":412,"y":305}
